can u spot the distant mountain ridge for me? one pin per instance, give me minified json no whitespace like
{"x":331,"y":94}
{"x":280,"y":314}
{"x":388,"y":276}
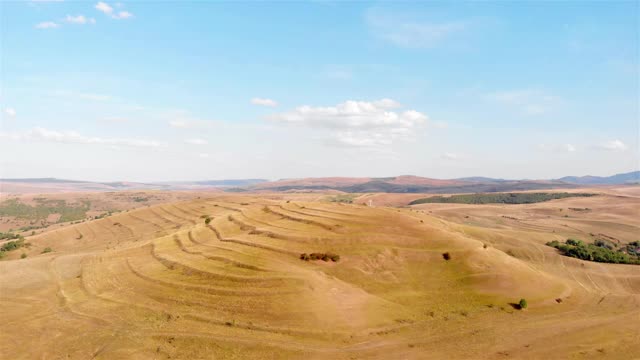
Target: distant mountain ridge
{"x":618,"y":179}
{"x":416,"y":184}
{"x":397,"y":184}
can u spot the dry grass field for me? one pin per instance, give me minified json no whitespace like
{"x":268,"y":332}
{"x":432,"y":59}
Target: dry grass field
{"x":157,"y":282}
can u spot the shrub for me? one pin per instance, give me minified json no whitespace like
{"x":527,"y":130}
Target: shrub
{"x":207,"y":220}
{"x":320,"y":256}
{"x":47,"y":250}
{"x":522,"y":304}
{"x":574,"y":242}
{"x":23,"y":256}
{"x":446,"y":256}
{"x":12,"y":245}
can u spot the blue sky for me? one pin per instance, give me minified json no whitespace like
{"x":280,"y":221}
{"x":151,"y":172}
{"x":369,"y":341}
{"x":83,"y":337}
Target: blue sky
{"x":148,"y":91}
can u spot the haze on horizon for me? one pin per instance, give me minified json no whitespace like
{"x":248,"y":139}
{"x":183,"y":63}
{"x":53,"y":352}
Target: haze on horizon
{"x":165,"y":91}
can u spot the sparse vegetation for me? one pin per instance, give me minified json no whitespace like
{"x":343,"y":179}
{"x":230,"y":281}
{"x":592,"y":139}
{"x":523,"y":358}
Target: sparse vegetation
{"x":47,"y":250}
{"x":12,"y":245}
{"x":498,"y":198}
{"x":342,"y":198}
{"x":9,"y":236}
{"x":44,"y":208}
{"x":320,"y":256}
{"x":600,"y":251}
{"x":103,"y":215}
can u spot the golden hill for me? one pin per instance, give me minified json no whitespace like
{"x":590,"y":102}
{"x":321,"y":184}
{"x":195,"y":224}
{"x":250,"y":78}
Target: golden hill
{"x":158,"y":282}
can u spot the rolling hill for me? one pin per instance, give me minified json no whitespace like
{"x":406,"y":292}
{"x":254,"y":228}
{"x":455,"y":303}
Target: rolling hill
{"x":164,"y":282}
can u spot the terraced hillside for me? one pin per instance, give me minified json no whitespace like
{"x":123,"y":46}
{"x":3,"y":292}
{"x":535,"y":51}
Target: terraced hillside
{"x":159,"y":282}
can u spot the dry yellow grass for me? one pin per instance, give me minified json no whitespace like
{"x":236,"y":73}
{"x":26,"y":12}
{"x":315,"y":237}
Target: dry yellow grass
{"x":157,"y":282}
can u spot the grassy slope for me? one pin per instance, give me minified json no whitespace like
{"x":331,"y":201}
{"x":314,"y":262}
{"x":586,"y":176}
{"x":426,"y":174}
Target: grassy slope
{"x":157,"y":282}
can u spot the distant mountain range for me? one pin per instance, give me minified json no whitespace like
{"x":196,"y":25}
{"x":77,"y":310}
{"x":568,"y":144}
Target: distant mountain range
{"x":398,"y":184}
{"x":626,"y":178}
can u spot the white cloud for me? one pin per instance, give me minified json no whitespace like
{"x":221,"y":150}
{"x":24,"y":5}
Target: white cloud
{"x":108,"y":10}
{"x":104,"y":7}
{"x":47,"y":25}
{"x":569,"y":148}
{"x":406,"y":31}
{"x":353,"y":114}
{"x":73,"y":137}
{"x":196,"y":141}
{"x":264,"y":102}
{"x":10,"y":112}
{"x":123,"y":15}
{"x":528,"y":101}
{"x":357,"y":123}
{"x":79,"y":19}
{"x":95,"y":97}
{"x":203,"y":155}
{"x":613,"y":145}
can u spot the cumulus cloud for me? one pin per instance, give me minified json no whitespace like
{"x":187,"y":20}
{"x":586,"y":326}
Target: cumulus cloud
{"x":109,"y":11}
{"x":104,"y":7}
{"x":10,"y":112}
{"x":264,"y":102}
{"x":357,"y":123}
{"x":47,"y":25}
{"x":407,"y":31}
{"x":613,"y":145}
{"x":196,"y":141}
{"x":528,"y":101}
{"x":79,"y":19}
{"x":73,"y":137}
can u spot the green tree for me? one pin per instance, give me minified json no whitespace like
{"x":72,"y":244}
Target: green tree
{"x":522,"y":304}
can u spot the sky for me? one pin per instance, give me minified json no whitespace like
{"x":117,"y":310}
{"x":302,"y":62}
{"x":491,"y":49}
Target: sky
{"x":173,"y":91}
